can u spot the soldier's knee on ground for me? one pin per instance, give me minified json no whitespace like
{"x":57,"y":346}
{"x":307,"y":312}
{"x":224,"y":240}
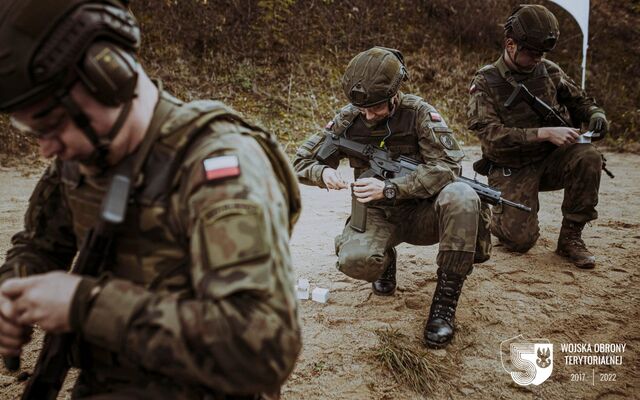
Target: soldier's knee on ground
{"x":357,"y":261}
{"x":519,"y":243}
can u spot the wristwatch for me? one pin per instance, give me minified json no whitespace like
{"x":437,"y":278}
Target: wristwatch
{"x":390,"y":190}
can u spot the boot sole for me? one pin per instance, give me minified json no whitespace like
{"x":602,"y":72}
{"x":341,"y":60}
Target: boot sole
{"x":586,"y":265}
{"x":377,"y":293}
{"x":436,"y":345}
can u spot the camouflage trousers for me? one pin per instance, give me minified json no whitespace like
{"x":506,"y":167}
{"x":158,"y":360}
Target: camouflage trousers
{"x":450,"y":219}
{"x":575,"y":168}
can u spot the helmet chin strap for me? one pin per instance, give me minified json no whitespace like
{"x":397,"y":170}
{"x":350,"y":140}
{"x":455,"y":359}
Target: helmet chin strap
{"x":98,"y":157}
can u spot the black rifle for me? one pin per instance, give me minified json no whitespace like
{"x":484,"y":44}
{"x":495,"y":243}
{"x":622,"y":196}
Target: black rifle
{"x":383,"y":166}
{"x":548,"y":115}
{"x":53,"y":362}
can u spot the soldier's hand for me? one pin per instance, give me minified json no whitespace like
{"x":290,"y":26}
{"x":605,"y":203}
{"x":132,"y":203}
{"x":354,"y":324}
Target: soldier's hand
{"x":333,"y":180}
{"x":368,"y":189}
{"x":43,"y":299}
{"x":12,"y":335}
{"x":559,"y":136}
{"x":598,"y":124}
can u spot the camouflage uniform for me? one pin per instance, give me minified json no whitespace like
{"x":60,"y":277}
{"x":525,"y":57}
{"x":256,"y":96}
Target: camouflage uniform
{"x":441,"y":211}
{"x":199,"y":302}
{"x":521,"y":166}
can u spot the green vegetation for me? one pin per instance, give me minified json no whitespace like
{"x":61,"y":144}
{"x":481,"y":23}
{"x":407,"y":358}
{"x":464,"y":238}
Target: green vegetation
{"x":280,"y":61}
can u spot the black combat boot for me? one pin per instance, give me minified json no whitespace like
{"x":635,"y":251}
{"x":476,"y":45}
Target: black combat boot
{"x":440,"y":326}
{"x":386,"y":284}
{"x":571,"y":246}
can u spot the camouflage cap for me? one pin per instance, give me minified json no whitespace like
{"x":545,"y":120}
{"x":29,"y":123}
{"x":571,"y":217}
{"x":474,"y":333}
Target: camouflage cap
{"x":41,"y":43}
{"x":533,"y":26}
{"x":374,"y":76}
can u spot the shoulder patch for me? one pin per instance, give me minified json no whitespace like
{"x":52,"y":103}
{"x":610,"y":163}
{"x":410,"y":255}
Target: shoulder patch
{"x":216,"y":168}
{"x":435,"y":117}
{"x":329,"y":125}
{"x":448,"y":142}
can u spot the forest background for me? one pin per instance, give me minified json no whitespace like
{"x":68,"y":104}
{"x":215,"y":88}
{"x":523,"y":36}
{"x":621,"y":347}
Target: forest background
{"x":280,"y":61}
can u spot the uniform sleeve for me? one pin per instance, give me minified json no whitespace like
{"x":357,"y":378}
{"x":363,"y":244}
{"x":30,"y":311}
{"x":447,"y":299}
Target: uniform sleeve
{"x":440,"y":154}
{"x":239,"y":332}
{"x":307,"y":167}
{"x":47,"y":242}
{"x":484,"y":120}
{"x":574,"y":98}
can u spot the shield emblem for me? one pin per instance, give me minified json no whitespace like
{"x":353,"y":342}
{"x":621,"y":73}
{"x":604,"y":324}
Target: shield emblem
{"x":528,"y":361}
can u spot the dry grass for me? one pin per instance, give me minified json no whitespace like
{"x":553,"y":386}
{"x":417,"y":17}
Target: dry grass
{"x":279,"y":61}
{"x":409,"y":364}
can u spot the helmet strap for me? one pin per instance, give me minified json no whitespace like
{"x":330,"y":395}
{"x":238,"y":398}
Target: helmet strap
{"x":81,"y":119}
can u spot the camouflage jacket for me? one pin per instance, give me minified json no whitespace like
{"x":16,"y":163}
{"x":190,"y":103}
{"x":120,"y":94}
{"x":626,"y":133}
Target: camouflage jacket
{"x":508,"y":137}
{"x":415,"y":129}
{"x":199,"y":298}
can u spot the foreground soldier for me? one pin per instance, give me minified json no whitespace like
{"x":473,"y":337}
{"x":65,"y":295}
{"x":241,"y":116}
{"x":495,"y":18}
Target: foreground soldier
{"x":423,"y":208}
{"x":521,"y":155}
{"x":197,"y":301}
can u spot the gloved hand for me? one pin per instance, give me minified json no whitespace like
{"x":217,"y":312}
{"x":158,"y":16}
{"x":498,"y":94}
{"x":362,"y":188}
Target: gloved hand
{"x":598,"y":124}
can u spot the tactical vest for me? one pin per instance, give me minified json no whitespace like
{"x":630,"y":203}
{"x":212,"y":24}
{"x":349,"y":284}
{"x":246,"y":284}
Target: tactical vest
{"x":520,"y":115}
{"x":398,"y":134}
{"x":151,"y":246}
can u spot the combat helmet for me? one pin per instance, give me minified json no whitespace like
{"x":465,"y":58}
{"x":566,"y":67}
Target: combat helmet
{"x":374,"y":76}
{"x":44,"y":47}
{"x":533,"y":26}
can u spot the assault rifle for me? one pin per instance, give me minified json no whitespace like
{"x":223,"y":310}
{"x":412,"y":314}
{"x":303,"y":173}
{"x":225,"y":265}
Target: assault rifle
{"x":383,"y":166}
{"x":53,"y":362}
{"x":549,"y":116}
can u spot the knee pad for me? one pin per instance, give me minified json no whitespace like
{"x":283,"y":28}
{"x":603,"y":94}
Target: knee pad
{"x":359,"y":265}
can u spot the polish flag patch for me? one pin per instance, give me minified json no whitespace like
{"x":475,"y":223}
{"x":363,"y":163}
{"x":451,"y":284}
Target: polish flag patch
{"x":221,"y":167}
{"x":329,"y":125}
{"x":435,"y":117}
{"x":472,"y":89}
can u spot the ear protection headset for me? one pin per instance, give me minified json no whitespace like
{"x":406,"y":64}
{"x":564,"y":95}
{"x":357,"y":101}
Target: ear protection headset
{"x":109,"y":73}
{"x":107,"y":37}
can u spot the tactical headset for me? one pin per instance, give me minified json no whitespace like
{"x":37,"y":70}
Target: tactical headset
{"x":109,"y":36}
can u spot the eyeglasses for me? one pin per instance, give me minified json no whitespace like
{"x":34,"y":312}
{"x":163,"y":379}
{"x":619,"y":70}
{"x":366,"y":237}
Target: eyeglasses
{"x":532,"y":52}
{"x":43,"y":124}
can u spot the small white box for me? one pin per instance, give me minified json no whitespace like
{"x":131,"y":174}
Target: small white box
{"x":302,"y":289}
{"x":321,"y":295}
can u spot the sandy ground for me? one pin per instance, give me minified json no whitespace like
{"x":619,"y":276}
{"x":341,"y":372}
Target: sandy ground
{"x":537,"y":295}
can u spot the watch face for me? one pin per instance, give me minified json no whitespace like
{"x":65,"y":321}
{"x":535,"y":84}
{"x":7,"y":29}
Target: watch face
{"x":389,"y":192}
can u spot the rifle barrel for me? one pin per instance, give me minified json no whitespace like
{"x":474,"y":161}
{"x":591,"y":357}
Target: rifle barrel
{"x":515,"y":205}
